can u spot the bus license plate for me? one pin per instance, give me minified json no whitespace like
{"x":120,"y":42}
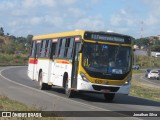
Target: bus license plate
{"x":105,"y":91}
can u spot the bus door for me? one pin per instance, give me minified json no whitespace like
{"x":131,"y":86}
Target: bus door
{"x":32,"y":61}
{"x":48,"y":55}
{"x":38,"y":46}
{"x":75,"y":62}
{"x":53,"y":55}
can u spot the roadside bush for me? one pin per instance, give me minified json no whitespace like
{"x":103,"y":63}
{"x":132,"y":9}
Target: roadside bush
{"x":145,"y":62}
{"x":10,"y":59}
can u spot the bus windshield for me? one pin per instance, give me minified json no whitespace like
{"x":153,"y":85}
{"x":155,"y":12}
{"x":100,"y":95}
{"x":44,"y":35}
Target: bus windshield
{"x":104,"y":58}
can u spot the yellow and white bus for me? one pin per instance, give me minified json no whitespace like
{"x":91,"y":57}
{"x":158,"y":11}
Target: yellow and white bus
{"x":81,"y":60}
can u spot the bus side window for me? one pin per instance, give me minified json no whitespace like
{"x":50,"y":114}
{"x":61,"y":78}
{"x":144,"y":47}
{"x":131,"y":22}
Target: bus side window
{"x":38,"y":47}
{"x":48,"y":49}
{"x":70,"y":48}
{"x":44,"y":46}
{"x":33,"y":49}
{"x":59,"y":47}
{"x":66,"y":47}
{"x":62,"y":48}
{"x":53,"y":50}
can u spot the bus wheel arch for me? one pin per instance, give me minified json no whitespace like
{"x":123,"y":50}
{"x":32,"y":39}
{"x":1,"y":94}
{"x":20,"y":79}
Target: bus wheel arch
{"x":68,"y":92}
{"x":65,"y":78}
{"x":42,"y":86}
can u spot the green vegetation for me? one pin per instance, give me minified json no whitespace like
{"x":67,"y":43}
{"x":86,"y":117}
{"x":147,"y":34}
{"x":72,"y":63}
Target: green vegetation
{"x":148,"y":62}
{"x":148,"y":44}
{"x":12,"y":59}
{"x":152,"y":44}
{"x":14,"y":50}
{"x":1,"y":31}
{"x":145,"y":90}
{"x":9,"y":105}
{"x":138,"y":71}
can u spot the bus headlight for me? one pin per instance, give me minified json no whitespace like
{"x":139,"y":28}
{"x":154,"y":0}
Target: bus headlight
{"x":84,"y":77}
{"x":128,"y":80}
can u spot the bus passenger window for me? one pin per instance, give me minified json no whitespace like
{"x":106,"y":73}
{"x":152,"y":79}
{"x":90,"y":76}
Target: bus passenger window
{"x":59,"y":47}
{"x":66,"y":47}
{"x":62,"y":48}
{"x":38,"y":47}
{"x":70,"y":48}
{"x":42,"y":51}
{"x":48,"y":48}
{"x":53,"y":50}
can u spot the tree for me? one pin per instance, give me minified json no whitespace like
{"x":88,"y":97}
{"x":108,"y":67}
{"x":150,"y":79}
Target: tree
{"x":142,"y":42}
{"x":29,"y":39}
{"x":21,"y":39}
{"x":8,"y":49}
{"x":12,"y":37}
{"x":1,"y":31}
{"x":155,"y":48}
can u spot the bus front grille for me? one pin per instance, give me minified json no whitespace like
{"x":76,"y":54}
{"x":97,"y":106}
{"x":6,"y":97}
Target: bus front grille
{"x":98,"y":88}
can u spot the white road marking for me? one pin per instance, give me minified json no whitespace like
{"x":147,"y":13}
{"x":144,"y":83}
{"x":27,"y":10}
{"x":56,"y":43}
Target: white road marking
{"x":90,"y":106}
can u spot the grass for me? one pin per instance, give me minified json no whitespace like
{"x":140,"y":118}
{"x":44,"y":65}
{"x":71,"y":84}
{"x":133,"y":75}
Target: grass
{"x":10,"y":105}
{"x":144,"y":90}
{"x":138,"y":71}
{"x":11,"y":59}
{"x":147,"y":62}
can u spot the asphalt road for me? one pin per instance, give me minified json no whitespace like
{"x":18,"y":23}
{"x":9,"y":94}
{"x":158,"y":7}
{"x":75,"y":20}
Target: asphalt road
{"x":153,"y":82}
{"x":15,"y":84}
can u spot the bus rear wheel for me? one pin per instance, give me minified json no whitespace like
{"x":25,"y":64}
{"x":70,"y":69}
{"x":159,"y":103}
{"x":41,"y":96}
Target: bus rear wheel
{"x":43,"y":86}
{"x":109,"y":96}
{"x":68,"y":92}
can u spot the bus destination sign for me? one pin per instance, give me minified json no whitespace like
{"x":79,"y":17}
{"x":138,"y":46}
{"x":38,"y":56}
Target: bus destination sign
{"x":107,"y":38}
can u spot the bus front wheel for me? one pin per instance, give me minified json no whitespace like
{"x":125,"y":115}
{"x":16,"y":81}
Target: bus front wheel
{"x":43,"y":86}
{"x":109,"y":96}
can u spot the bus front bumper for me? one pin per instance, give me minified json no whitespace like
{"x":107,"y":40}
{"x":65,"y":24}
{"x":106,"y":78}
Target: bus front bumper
{"x":100,"y":88}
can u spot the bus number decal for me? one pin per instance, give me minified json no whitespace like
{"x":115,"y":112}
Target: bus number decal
{"x":98,"y":81}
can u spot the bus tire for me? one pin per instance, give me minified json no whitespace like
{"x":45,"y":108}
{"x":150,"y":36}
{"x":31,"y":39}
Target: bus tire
{"x":43,"y":86}
{"x":109,"y":96}
{"x":68,"y":92}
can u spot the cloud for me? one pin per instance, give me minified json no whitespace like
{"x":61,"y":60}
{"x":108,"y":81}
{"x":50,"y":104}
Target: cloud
{"x":54,"y":20}
{"x":151,"y":20}
{"x":115,"y":20}
{"x":89,"y":23}
{"x":69,"y":2}
{"x":123,"y":18}
{"x":36,"y":3}
{"x":154,"y":4}
{"x":5,"y":5}
{"x":76,"y":12}
{"x":18,"y":12}
{"x":13,"y":23}
{"x":123,"y":12}
{"x":47,"y":3}
{"x":36,"y":20}
{"x":46,"y":16}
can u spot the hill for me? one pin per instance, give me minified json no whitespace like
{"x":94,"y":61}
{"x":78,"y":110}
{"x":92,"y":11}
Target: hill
{"x":5,"y":40}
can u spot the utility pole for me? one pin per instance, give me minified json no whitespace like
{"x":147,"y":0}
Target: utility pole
{"x":141,"y":29}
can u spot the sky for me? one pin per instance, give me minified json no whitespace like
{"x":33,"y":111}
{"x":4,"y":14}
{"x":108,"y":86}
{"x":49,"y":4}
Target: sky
{"x":131,"y":17}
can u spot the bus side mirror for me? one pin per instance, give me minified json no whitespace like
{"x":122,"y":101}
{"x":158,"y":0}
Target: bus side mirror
{"x":80,"y":48}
